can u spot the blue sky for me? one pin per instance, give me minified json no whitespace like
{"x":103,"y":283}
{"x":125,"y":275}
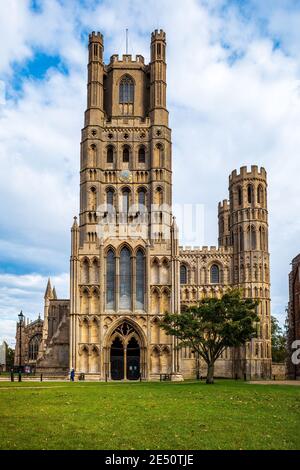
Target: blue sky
{"x":233,"y":97}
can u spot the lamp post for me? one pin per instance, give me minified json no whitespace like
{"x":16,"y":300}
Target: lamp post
{"x":21,"y":319}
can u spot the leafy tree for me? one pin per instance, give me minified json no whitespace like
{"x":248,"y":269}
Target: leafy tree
{"x":10,"y":355}
{"x":214,"y":325}
{"x":279,"y":341}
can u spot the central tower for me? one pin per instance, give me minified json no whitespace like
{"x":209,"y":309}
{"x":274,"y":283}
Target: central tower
{"x":124,"y":259}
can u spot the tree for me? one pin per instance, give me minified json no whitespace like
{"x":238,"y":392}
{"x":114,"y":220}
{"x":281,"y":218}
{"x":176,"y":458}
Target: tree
{"x":10,"y":355}
{"x":279,"y":341}
{"x":214,"y":325}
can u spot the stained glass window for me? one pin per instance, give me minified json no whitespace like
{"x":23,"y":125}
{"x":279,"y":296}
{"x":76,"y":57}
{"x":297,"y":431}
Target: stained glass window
{"x":140,"y":279}
{"x":126,"y":90}
{"x":125,"y":279}
{"x":110,"y":279}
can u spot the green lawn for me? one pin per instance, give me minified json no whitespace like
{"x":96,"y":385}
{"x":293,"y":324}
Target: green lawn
{"x":188,"y":415}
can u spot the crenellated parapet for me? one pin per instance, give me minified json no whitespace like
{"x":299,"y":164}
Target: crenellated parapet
{"x":244,"y":173}
{"x":126,"y":59}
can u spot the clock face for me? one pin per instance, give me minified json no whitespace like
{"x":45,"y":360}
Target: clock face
{"x":125,"y":176}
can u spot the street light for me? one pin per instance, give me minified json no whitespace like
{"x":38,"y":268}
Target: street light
{"x":21,"y":319}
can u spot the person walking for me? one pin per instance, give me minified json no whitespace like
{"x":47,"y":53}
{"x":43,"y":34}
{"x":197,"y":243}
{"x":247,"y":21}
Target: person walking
{"x":72,"y":375}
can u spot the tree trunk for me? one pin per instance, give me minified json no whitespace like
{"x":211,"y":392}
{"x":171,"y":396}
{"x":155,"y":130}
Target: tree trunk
{"x":210,"y":373}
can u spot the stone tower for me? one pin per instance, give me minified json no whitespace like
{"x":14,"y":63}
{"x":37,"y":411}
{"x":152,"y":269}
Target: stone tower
{"x":248,"y":225}
{"x":124,"y":258}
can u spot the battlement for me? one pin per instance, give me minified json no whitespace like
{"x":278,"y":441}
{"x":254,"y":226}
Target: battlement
{"x":96,"y":37}
{"x":254,"y":172}
{"x":158,"y":35}
{"x":224,"y":206}
{"x":127,"y":58}
{"x":193,"y":250}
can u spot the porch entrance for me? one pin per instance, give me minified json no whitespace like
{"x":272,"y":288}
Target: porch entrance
{"x":125,"y":354}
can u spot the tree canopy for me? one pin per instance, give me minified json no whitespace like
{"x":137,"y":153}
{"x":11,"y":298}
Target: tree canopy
{"x":213,"y":325}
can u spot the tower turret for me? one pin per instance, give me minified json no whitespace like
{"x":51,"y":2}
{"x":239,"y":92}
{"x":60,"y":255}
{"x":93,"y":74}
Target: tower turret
{"x":224,"y":223}
{"x":95,"y":108}
{"x":158,"y":84}
{"x":251,"y":271}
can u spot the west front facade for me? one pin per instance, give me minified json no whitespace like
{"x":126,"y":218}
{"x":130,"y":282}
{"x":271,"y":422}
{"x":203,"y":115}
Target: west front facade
{"x":127,"y":268}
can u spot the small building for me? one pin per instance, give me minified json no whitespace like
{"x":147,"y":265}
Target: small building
{"x":28,"y":339}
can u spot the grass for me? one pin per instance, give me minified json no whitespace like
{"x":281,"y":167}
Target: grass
{"x":188,"y":415}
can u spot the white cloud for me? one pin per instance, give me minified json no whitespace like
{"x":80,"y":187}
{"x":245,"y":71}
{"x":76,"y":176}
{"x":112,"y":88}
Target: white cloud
{"x":233,"y":98}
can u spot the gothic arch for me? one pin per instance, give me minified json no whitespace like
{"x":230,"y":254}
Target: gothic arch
{"x":112,"y":331}
{"x":155,"y":271}
{"x":155,"y":301}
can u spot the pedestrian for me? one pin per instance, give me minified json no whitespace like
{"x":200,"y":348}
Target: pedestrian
{"x":72,"y":375}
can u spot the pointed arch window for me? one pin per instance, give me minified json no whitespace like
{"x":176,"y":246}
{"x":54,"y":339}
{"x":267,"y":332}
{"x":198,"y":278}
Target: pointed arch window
{"x":126,"y":154}
{"x":215,"y":274}
{"x":125,"y":279}
{"x":142,"y":155}
{"x":250,"y":194}
{"x":110,"y":279}
{"x":240,"y":196}
{"x":34,"y":344}
{"x":241,"y":237}
{"x":110,"y":154}
{"x":183,"y":274}
{"x":125,"y":200}
{"x":109,"y":200}
{"x":140,"y":280}
{"x":253,"y":238}
{"x":126,"y":90}
{"x":260,"y":194}
{"x":142,"y":199}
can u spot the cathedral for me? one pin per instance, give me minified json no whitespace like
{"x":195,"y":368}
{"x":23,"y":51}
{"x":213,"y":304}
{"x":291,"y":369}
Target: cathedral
{"x":126,"y":266}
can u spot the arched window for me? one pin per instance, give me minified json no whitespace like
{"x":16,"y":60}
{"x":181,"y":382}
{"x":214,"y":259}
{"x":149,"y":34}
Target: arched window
{"x":110,"y":154}
{"x":142,"y":155}
{"x":241,"y":237}
{"x":125,"y":279}
{"x":126,"y":154}
{"x":221,"y":226}
{"x":110,"y":199}
{"x":183,"y":274}
{"x":33,"y":348}
{"x":126,"y":90}
{"x":253,"y":238}
{"x":214,"y":274}
{"x":250,"y":194}
{"x":92,"y":199}
{"x":158,"y":155}
{"x":140,"y":280}
{"x":260,"y":194}
{"x":159,"y":197}
{"x":142,"y":199}
{"x":240,"y":196}
{"x":125,"y":200}
{"x":110,"y":279}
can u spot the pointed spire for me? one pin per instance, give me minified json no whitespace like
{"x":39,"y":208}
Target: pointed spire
{"x":48,"y":292}
{"x":75,"y":224}
{"x":54,"y":295}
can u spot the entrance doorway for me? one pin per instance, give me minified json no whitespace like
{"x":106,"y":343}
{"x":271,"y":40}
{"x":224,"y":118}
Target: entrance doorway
{"x":117,"y":359}
{"x":133,"y":360}
{"x":125,"y":354}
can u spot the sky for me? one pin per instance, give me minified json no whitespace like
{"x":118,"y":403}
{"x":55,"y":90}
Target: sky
{"x":233,"y":73}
